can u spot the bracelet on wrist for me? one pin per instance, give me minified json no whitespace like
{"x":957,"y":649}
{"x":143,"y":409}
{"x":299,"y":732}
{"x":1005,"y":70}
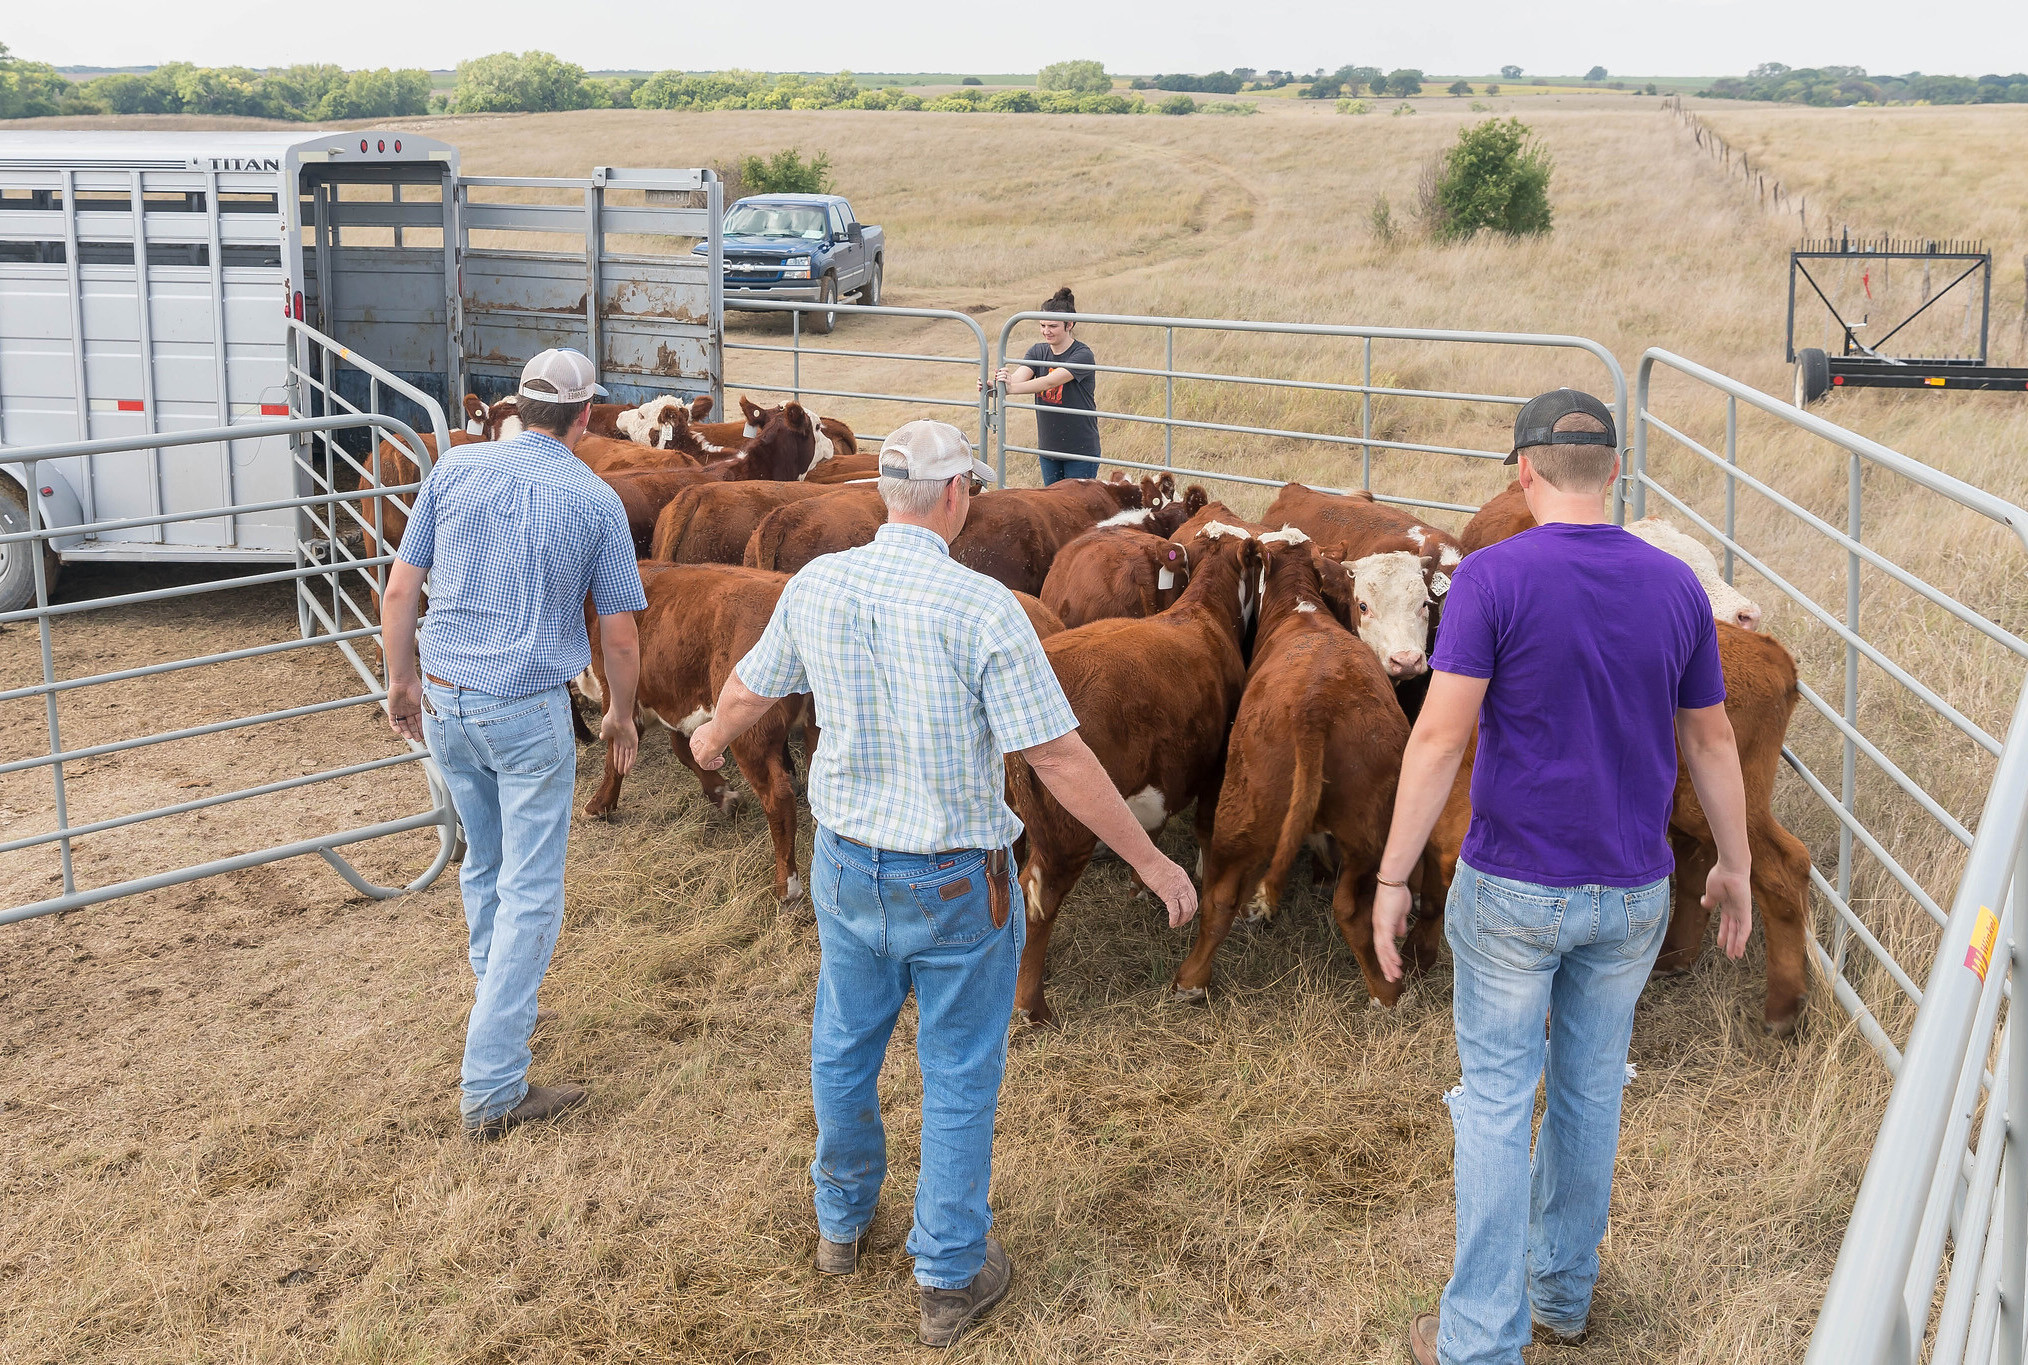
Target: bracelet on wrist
{"x":1385,"y":882}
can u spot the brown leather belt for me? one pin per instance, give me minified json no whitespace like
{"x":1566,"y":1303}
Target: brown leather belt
{"x":441,"y":683}
{"x":999,"y":894}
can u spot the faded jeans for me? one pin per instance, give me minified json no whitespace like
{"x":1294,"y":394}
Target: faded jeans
{"x":511,"y":765}
{"x":1528,"y":1238}
{"x":887,"y":928}
{"x":1055,"y":467}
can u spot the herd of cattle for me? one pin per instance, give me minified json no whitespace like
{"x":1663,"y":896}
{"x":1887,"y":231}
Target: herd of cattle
{"x":1265,"y":672}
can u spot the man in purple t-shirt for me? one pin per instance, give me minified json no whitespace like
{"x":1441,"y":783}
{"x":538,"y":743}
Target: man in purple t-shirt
{"x":1588,"y":660}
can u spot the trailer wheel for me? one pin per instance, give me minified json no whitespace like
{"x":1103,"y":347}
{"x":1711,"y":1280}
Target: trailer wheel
{"x":822,"y":323}
{"x":1813,"y":376}
{"x":17,"y":568}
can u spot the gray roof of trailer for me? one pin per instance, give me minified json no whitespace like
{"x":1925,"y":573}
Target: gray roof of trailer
{"x":78,"y":146}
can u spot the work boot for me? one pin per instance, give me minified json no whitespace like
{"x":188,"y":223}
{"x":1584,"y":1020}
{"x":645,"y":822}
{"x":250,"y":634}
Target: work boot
{"x":541,"y":1102}
{"x":841,"y":1258}
{"x":1549,"y":1336}
{"x":947,"y":1313}
{"x":1422,"y":1335}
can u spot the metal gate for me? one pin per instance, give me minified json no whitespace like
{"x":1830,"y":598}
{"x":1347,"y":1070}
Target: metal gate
{"x":1916,"y":775}
{"x":328,"y":579}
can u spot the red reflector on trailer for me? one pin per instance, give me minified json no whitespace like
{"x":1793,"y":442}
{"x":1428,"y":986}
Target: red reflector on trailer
{"x":131,"y":405}
{"x":299,"y":305}
{"x":274,"y":409}
{"x":380,"y":146}
{"x":397,"y":144}
{"x":362,"y":144}
{"x":1837,"y":379}
{"x":49,"y":492}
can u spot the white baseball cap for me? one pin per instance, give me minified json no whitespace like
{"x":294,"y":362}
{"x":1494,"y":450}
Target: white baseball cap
{"x":925,"y":449}
{"x":567,"y":376}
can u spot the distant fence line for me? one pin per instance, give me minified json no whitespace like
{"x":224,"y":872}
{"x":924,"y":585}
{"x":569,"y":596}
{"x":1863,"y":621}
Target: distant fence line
{"x":1768,"y":192}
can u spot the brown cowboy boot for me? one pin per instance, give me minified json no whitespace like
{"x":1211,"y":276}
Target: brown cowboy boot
{"x":947,"y":1313}
{"x":1422,"y":1335}
{"x":842,"y":1258}
{"x":541,"y":1102}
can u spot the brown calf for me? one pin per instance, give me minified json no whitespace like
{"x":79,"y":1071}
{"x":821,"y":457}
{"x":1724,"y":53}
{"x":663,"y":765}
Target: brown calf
{"x":701,"y":620}
{"x":1153,"y":699}
{"x":1315,"y":750}
{"x":1760,"y":696}
{"x":1504,"y":516}
{"x":710,"y":523}
{"x":1012,"y":534}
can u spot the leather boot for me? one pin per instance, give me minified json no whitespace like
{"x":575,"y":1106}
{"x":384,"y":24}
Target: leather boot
{"x":842,"y":1258}
{"x":541,"y":1102}
{"x":1422,"y":1337}
{"x":948,"y":1313}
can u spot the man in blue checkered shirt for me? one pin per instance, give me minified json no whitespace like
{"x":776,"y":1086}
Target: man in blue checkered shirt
{"x":924,"y":674}
{"x":514,"y":535}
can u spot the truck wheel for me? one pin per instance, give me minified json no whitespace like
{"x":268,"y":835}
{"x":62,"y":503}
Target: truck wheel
{"x":870,"y":295}
{"x":1813,"y":376}
{"x":822,"y":323}
{"x":17,"y":567}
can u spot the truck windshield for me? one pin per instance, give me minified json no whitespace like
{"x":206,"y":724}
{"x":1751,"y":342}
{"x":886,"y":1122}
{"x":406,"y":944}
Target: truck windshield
{"x":803,"y":221}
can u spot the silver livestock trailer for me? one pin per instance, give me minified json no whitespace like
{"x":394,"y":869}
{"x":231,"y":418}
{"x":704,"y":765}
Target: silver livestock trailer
{"x":148,"y":280}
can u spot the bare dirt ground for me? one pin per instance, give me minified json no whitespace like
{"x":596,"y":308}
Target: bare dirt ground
{"x":227,"y":1111}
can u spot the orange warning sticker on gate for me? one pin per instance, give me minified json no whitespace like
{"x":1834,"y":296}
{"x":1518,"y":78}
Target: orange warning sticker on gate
{"x":1980,"y":955}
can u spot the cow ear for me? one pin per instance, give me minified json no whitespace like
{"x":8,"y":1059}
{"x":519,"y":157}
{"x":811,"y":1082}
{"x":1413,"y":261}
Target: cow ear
{"x":1195,"y":499}
{"x":796,"y":415}
{"x":754,"y":411}
{"x":700,"y":406}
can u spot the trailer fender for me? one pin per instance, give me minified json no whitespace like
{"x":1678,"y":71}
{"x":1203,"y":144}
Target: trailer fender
{"x":56,"y":502}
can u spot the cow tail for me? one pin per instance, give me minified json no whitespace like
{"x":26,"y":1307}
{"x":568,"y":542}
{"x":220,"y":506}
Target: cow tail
{"x":1304,"y":795}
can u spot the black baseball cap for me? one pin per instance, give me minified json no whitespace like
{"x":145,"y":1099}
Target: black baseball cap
{"x":1535,"y":424}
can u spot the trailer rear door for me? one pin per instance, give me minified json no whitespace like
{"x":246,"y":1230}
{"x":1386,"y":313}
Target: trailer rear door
{"x":602,"y":264}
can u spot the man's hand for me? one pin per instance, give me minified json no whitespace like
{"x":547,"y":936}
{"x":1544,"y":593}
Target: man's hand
{"x":1729,"y":891}
{"x":707,"y":746}
{"x":623,"y":742}
{"x":1173,"y":885}
{"x":404,"y":709}
{"x":1390,"y":924}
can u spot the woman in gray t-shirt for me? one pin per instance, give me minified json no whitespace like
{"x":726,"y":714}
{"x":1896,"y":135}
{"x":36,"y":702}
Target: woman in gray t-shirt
{"x":1059,"y":371}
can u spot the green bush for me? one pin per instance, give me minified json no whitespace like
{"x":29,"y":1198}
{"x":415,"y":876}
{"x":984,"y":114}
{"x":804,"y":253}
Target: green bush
{"x":533,"y":82}
{"x":1403,"y":81}
{"x":1086,"y":78}
{"x":1014,"y":102}
{"x":951,"y":104}
{"x":1496,"y":177}
{"x":971,"y":80}
{"x":1460,"y":87}
{"x":1179,"y":104}
{"x":1231,"y":108}
{"x":1381,"y":220}
{"x":786,"y":173}
{"x":1110,"y":104}
{"x":1354,"y":107}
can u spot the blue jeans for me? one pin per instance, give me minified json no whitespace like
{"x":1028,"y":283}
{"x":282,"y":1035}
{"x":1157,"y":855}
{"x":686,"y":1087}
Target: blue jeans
{"x":1528,"y":1240}
{"x":1056,"y":467}
{"x":886,"y":927}
{"x":511,"y":765}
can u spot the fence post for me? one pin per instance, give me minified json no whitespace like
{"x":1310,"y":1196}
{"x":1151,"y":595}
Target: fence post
{"x":1169,"y":400}
{"x":1731,"y":484}
{"x":1366,"y":421}
{"x":34,"y":549}
{"x":2014,"y":1189}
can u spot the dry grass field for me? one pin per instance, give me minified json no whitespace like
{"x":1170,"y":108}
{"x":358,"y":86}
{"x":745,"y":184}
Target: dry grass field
{"x":227,"y":1112}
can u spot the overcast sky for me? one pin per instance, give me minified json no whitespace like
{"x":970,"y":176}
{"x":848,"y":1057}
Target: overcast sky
{"x":1552,"y":37}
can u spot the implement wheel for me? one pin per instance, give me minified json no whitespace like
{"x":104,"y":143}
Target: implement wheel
{"x":1813,"y":376}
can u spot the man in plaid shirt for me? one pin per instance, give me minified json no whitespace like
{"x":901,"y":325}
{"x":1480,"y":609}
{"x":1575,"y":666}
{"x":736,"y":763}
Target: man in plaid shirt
{"x":515,"y":535}
{"x":924,"y":673}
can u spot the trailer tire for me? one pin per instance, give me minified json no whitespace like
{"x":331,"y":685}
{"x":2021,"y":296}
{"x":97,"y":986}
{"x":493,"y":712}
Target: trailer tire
{"x":1813,"y":376}
{"x":822,"y":323}
{"x":17,"y":569}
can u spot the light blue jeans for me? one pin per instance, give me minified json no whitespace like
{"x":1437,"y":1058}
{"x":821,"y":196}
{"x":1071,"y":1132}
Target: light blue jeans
{"x":511,"y":765}
{"x":889,"y":923}
{"x":1055,"y":467}
{"x":1528,"y":1239}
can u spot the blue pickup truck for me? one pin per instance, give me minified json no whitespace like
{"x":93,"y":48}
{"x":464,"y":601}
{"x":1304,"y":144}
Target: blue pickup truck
{"x":800,"y":246}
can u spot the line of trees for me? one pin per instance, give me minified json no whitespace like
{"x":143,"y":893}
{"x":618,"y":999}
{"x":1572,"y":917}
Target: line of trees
{"x":1348,"y":81}
{"x":301,"y":93}
{"x":1848,"y":85}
